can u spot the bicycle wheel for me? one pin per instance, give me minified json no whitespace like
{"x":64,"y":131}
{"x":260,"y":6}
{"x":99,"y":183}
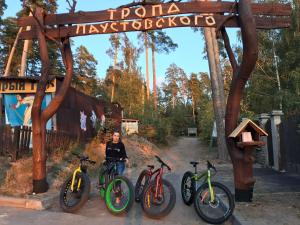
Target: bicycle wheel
{"x":188,"y":188}
{"x":119,"y":195}
{"x":160,"y":206}
{"x":71,"y":201}
{"x":217,"y":211}
{"x":140,"y":185}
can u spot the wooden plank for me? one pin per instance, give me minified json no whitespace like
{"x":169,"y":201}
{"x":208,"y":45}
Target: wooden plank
{"x":151,"y":11}
{"x":156,"y":24}
{"x":1,"y":140}
{"x":28,"y":139}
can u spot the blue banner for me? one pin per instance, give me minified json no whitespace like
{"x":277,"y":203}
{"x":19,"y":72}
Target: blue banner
{"x":18,"y":109}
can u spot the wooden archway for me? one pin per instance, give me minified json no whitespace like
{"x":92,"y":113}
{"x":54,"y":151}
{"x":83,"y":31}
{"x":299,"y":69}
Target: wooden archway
{"x":151,"y":16}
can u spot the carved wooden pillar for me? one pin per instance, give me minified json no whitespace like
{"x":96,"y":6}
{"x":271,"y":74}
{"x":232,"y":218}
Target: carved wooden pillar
{"x":243,"y":175}
{"x":39,"y":117}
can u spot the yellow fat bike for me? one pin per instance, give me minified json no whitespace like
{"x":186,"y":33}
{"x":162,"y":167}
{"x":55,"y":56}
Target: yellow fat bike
{"x":75,"y":190}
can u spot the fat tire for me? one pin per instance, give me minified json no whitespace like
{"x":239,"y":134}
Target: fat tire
{"x":84,"y":196}
{"x":170,"y":206}
{"x":131,"y":194}
{"x":230,"y":199}
{"x":138,"y":195}
{"x":187,"y":175}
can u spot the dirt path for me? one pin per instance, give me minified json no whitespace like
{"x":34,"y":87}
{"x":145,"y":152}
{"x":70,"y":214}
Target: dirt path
{"x":178,"y":157}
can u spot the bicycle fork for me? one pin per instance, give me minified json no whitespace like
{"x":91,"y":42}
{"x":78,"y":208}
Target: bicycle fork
{"x":78,"y":170}
{"x":211,"y":190}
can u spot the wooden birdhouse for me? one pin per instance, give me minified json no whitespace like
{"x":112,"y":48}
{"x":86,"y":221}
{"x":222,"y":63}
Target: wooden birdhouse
{"x":247,"y":134}
{"x":247,"y":138}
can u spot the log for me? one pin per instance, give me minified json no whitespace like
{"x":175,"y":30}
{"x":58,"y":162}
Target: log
{"x":157,"y":23}
{"x":158,"y":10}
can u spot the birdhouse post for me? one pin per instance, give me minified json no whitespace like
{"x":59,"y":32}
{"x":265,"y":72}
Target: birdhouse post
{"x":247,"y":138}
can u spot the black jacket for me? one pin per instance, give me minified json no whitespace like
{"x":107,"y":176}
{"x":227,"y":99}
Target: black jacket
{"x":115,"y":150}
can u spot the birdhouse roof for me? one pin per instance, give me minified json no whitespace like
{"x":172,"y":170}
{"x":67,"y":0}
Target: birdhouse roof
{"x":241,"y":127}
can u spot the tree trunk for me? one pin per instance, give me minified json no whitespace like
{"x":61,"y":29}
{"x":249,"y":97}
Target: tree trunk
{"x":143,"y":98}
{"x":154,"y":76}
{"x":222,"y":149}
{"x":113,"y":87}
{"x":113,"y":75}
{"x":1,"y":109}
{"x":11,"y":54}
{"x":242,"y":164}
{"x":173,"y":101}
{"x":25,"y":53}
{"x":39,"y":117}
{"x":193,"y":108}
{"x":218,"y":100}
{"x":147,"y":65}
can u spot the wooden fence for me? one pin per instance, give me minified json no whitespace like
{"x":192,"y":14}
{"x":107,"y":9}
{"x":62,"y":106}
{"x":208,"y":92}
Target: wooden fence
{"x":16,"y":142}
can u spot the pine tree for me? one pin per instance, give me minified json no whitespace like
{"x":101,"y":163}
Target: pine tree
{"x":84,"y":70}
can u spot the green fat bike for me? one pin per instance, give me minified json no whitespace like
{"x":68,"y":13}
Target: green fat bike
{"x":213,"y":201}
{"x":117,"y":190}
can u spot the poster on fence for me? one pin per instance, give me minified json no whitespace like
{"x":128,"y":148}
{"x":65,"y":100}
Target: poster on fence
{"x":18,"y":109}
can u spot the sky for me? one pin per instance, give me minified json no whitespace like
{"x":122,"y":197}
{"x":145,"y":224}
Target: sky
{"x":189,"y":54}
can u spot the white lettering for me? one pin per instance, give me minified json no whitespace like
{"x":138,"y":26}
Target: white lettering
{"x":78,"y":29}
{"x":173,"y":9}
{"x":112,"y":26}
{"x":159,"y":23}
{"x":111,"y":13}
{"x":141,"y":14}
{"x":171,"y":21}
{"x":185,"y":20}
{"x":210,"y":20}
{"x":104,"y":26}
{"x":136,"y":25}
{"x":197,"y":18}
{"x":159,"y":7}
{"x":125,"y":13}
{"x":148,"y":24}
{"x":124,"y":24}
{"x":93,"y":29}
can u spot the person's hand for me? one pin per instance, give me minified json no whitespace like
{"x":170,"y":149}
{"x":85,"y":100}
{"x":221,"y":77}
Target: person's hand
{"x":13,"y":106}
{"x":126,"y":161}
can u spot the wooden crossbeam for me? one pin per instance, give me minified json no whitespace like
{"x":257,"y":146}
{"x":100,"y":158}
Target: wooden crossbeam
{"x":159,"y":10}
{"x":156,"y":24}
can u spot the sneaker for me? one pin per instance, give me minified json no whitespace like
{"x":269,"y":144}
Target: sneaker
{"x":118,"y":200}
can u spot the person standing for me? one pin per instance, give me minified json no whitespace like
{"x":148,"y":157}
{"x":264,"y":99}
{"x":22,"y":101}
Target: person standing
{"x":115,"y":149}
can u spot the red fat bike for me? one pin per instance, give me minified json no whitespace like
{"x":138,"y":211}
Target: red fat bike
{"x":157,"y":196}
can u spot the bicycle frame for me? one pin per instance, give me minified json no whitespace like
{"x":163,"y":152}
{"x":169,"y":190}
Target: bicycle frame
{"x":207,"y":176}
{"x":159,"y":174}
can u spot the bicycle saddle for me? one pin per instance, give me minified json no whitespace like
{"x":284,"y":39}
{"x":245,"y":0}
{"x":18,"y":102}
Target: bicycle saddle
{"x":151,"y":167}
{"x":194,"y":163}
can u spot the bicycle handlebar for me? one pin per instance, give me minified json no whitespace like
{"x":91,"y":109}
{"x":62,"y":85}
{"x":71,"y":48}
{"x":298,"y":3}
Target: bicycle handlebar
{"x":83,"y":158}
{"x":112,"y":159}
{"x":211,"y":166}
{"x":162,"y":162}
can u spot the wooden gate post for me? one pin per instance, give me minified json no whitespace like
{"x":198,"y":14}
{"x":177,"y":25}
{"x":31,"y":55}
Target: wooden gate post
{"x":243,"y":178}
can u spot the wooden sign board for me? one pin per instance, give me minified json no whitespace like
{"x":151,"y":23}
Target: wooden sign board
{"x":155,"y":17}
{"x":13,"y":86}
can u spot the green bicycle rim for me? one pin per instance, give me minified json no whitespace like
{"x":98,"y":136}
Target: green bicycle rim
{"x":108,"y":200}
